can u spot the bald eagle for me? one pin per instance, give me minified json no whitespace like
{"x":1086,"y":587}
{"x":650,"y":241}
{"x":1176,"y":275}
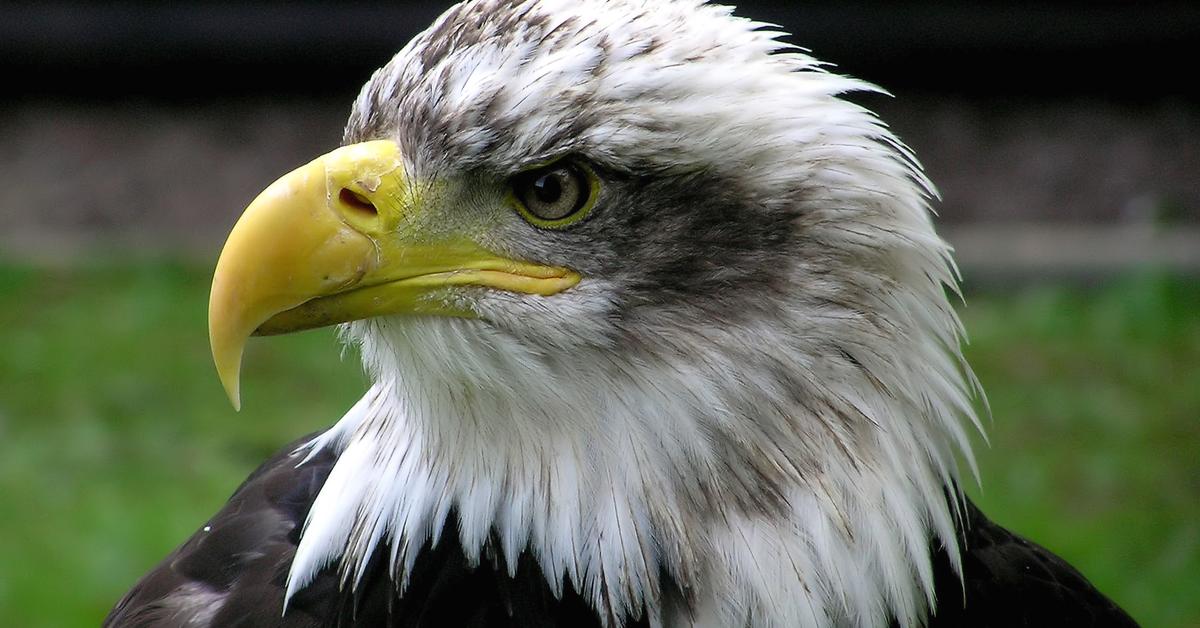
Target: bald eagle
{"x":658,"y":333}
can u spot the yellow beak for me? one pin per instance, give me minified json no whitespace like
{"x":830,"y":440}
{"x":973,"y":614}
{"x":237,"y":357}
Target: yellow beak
{"x":338,"y":240}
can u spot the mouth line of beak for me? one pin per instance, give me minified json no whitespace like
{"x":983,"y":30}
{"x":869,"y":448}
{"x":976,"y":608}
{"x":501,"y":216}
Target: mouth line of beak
{"x":416,"y":291}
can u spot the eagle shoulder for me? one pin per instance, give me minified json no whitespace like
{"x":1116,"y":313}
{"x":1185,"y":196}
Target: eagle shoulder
{"x":1008,"y":580}
{"x":232,"y":571}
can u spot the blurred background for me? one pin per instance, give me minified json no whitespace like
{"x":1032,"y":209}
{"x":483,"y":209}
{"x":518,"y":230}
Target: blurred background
{"x":1065,"y":139}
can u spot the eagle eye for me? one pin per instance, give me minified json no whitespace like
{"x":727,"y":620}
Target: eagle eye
{"x":556,"y":195}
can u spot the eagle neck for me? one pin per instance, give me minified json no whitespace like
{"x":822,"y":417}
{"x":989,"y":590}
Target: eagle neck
{"x":823,"y":507}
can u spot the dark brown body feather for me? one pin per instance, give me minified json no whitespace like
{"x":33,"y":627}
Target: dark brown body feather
{"x":233,"y":572}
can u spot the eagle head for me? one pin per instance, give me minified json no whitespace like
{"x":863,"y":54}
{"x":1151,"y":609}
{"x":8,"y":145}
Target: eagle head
{"x":640,"y":292}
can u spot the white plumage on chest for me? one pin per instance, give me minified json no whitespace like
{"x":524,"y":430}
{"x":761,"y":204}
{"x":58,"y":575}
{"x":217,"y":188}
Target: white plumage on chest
{"x":590,"y":473}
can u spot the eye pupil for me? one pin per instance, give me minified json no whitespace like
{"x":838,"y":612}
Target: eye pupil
{"x":548,"y":187}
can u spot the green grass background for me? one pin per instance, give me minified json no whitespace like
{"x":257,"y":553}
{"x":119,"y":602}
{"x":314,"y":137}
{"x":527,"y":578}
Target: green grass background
{"x":116,"y":440}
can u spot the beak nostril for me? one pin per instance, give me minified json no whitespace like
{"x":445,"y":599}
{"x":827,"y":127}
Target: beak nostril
{"x":357,"y":203}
